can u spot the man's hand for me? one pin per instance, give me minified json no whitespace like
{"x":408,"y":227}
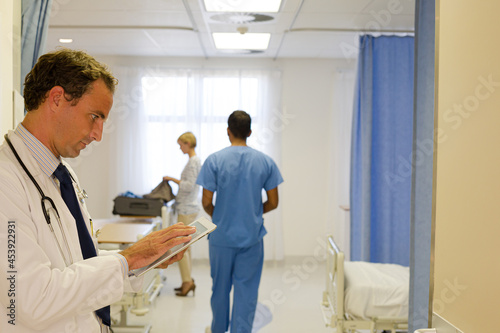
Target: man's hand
{"x":206,"y":201}
{"x":170,"y":261}
{"x":154,"y":245}
{"x":272,"y":200}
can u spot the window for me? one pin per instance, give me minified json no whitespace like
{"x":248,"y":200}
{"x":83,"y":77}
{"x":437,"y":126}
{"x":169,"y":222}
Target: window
{"x":153,"y":106}
{"x":180,"y":101}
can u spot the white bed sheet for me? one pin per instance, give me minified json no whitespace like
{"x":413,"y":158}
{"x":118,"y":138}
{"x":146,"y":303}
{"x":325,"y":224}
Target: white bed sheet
{"x":376,"y":290}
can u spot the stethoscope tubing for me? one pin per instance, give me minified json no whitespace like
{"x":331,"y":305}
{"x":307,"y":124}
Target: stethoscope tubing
{"x":42,"y":194}
{"x":43,"y":199}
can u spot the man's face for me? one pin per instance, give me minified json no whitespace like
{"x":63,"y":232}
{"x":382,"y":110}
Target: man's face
{"x":78,"y":125}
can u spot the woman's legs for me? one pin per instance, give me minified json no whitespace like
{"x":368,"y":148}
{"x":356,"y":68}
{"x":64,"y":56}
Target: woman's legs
{"x":185,"y":262}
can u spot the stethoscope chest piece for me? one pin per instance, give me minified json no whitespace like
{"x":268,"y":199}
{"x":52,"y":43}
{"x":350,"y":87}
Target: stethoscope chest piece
{"x":82,"y":194}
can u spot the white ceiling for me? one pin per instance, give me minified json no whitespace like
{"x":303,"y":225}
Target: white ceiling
{"x":301,"y":29}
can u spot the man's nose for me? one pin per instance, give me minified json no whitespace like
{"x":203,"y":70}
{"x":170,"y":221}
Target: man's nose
{"x":96,"y":133}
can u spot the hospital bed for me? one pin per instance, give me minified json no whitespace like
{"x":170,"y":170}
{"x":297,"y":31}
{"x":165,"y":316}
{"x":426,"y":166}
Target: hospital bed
{"x":364,"y":296}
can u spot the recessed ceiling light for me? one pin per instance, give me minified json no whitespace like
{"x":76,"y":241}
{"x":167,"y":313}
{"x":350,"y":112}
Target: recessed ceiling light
{"x":259,"y":6}
{"x":238,"y":41}
{"x":65,"y":40}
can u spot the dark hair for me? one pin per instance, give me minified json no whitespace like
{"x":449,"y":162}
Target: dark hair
{"x":239,"y":123}
{"x":74,"y":71}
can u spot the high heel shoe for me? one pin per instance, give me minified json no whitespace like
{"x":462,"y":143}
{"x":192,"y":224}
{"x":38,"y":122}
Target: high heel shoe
{"x":186,"y":288}
{"x":180,"y":288}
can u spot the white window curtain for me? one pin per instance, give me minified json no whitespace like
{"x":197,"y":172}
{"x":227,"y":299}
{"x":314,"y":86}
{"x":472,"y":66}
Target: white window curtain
{"x":126,"y":131}
{"x":153,"y":106}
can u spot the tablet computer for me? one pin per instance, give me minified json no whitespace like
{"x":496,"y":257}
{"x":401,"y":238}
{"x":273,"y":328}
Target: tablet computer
{"x":203,"y":227}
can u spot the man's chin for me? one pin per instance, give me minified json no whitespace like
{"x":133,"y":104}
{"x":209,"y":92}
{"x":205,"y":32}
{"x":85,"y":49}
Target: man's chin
{"x":72,"y":154}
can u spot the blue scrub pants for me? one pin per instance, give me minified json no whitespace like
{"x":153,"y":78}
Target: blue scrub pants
{"x":241,"y":268}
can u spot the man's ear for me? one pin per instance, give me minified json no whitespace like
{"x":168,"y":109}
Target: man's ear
{"x":55,"y":97}
{"x":249,"y":133}
{"x":230,"y":135}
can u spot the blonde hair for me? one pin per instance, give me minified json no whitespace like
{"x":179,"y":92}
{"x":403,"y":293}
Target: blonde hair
{"x":188,"y":137}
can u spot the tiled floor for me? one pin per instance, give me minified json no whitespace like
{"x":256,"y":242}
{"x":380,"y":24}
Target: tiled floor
{"x":291,"y":290}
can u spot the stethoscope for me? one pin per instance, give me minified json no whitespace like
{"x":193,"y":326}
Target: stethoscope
{"x":47,"y":201}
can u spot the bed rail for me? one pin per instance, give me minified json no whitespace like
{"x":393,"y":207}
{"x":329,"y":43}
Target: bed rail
{"x":332,"y":305}
{"x":333,"y":296}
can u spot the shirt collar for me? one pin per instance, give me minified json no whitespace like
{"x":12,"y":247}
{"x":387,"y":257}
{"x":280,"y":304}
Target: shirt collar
{"x":44,"y":157}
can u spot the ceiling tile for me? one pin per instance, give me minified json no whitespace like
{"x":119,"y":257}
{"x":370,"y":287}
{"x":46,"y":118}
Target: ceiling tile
{"x":316,"y":27}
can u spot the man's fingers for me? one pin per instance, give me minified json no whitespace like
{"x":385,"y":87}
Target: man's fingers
{"x":177,"y":230}
{"x":177,"y":257}
{"x":172,"y":260}
{"x":155,"y":244}
{"x":176,"y":241}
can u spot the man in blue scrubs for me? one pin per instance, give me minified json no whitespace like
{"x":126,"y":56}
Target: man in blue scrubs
{"x":237,"y":174}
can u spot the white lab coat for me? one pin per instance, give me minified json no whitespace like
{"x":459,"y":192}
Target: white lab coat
{"x":47,"y":295}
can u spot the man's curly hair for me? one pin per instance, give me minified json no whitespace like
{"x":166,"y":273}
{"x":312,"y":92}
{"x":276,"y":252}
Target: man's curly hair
{"x":74,"y":71}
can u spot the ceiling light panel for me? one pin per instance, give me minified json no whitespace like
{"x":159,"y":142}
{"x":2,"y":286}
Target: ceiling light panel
{"x":259,"y":6}
{"x":237,"y":41}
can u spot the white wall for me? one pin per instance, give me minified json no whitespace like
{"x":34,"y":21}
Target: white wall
{"x":309,"y":142}
{"x":308,"y":166}
{"x":338,"y":214}
{"x":10,"y":59}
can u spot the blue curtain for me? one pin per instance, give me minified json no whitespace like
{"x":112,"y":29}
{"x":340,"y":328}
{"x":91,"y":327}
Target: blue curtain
{"x":381,"y":153}
{"x":35,"y":22}
{"x":423,"y":138}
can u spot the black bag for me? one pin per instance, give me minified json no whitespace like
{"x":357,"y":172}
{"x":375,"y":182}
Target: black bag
{"x":124,"y":205}
{"x":162,"y":191}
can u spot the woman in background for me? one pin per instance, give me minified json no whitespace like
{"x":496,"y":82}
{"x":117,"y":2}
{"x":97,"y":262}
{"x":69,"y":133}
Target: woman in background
{"x":186,"y":204}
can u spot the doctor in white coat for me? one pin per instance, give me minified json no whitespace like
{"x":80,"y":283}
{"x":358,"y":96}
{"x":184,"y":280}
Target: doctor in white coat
{"x":45,"y":284}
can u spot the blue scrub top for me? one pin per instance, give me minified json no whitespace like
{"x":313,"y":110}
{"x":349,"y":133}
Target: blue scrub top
{"x":237,"y":175}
